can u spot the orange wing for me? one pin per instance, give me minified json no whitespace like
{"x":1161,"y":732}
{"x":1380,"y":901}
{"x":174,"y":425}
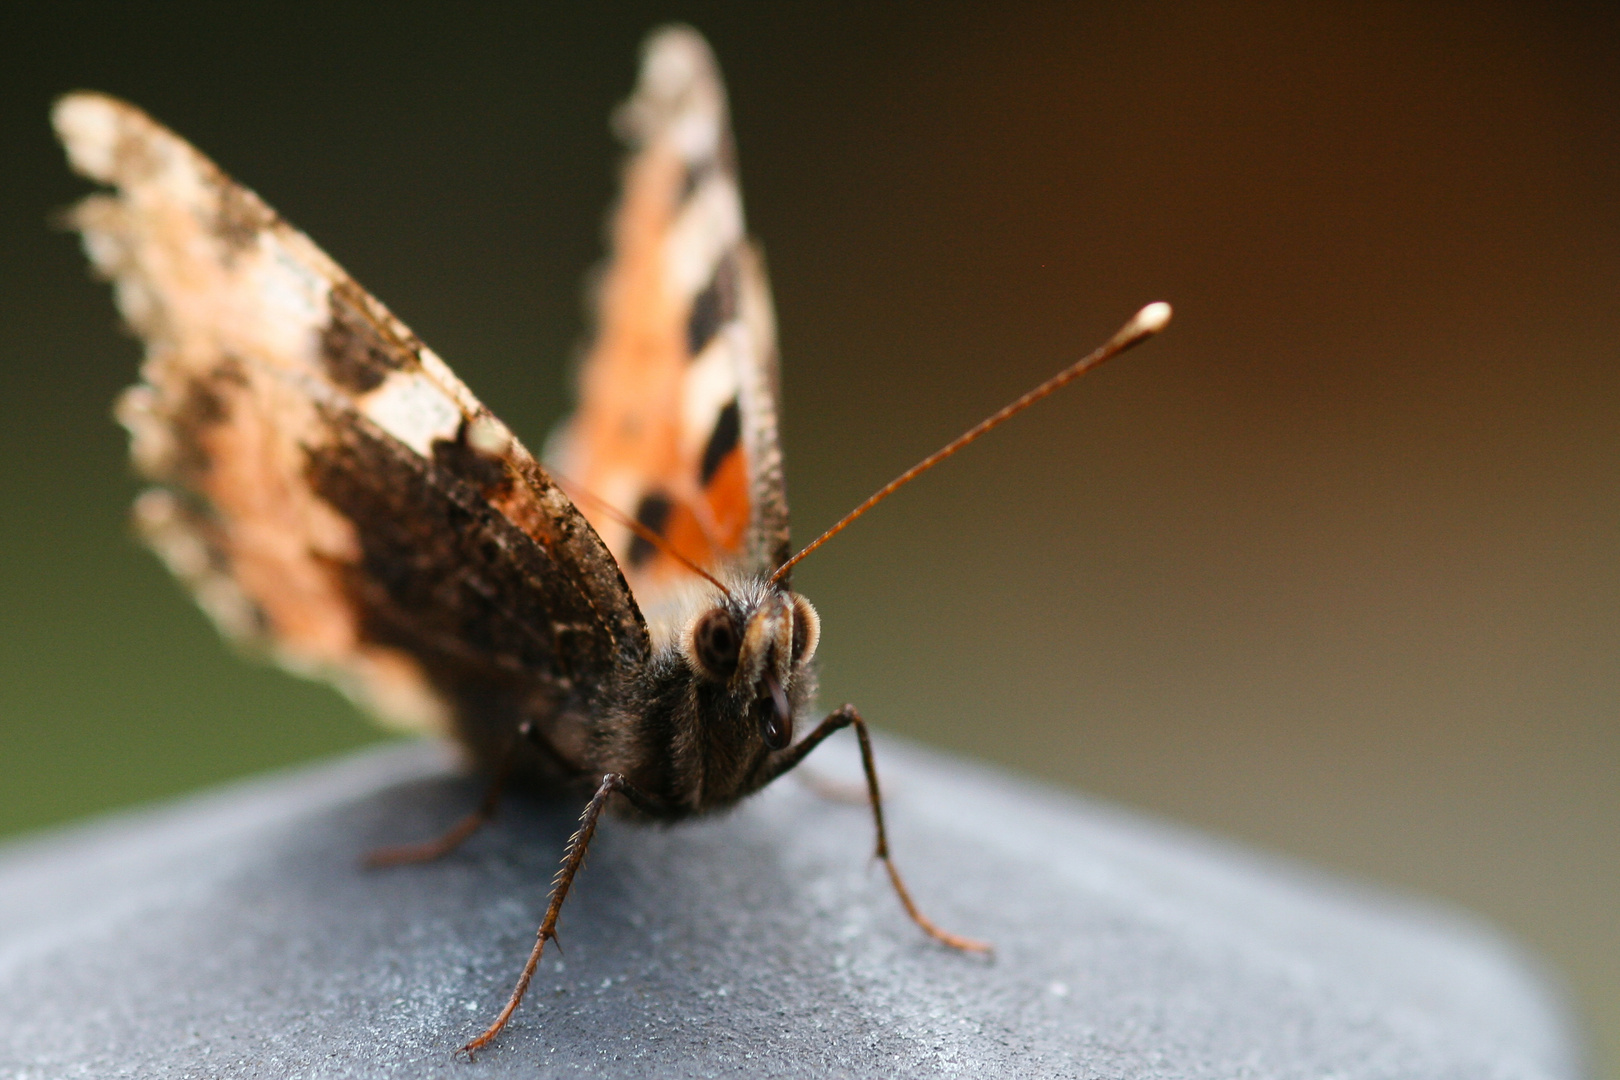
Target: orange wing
{"x":676,"y":424}
{"x":328,"y":488}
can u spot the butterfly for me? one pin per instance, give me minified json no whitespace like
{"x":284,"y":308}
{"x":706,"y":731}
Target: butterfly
{"x":616,"y":621}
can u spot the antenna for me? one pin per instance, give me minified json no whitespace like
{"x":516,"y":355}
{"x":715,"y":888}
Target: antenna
{"x":1143,"y":325}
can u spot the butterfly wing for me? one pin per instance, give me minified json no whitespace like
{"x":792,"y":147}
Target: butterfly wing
{"x":326,"y":486}
{"x":677,"y":419}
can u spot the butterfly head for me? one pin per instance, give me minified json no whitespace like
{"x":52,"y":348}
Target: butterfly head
{"x":755,"y":646}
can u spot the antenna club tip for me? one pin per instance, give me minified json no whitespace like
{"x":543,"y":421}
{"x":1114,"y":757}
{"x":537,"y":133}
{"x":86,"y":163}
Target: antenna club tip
{"x":1151,"y":319}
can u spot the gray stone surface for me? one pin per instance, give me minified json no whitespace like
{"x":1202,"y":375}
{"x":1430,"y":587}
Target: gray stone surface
{"x":235,"y":934}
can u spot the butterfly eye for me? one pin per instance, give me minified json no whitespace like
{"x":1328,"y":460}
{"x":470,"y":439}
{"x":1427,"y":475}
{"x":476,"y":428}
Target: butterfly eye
{"x":715,"y":644}
{"x":806,"y":630}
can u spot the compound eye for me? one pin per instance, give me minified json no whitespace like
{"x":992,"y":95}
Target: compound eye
{"x":716,"y":643}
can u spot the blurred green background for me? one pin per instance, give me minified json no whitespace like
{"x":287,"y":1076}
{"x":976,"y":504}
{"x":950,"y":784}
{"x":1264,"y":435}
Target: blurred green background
{"x":1331,"y":567}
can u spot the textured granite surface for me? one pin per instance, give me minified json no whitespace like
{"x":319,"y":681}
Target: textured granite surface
{"x":235,"y":934}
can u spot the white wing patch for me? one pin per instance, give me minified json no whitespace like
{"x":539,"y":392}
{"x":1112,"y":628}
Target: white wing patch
{"x":710,"y":225}
{"x":412,"y":410}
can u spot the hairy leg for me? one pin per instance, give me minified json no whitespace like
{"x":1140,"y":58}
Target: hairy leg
{"x":611,"y":784}
{"x":457,"y":834}
{"x":793,"y":755}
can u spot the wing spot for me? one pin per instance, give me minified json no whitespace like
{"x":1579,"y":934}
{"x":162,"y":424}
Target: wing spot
{"x":356,"y":359}
{"x":463,"y":458}
{"x":712,"y":308}
{"x":653,"y":515}
{"x":696,"y":173}
{"x":240,"y":217}
{"x":722,"y":441}
{"x":202,"y":406}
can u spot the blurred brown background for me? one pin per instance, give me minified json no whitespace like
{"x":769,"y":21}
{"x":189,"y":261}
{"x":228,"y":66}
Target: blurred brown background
{"x":1331,"y":567}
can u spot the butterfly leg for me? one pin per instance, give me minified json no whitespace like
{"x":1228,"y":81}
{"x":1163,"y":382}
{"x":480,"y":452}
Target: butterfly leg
{"x":454,"y":837}
{"x":457,"y":834}
{"x":611,"y":785}
{"x":836,"y":721}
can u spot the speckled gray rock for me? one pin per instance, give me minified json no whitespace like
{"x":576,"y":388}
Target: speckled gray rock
{"x":235,"y":934}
